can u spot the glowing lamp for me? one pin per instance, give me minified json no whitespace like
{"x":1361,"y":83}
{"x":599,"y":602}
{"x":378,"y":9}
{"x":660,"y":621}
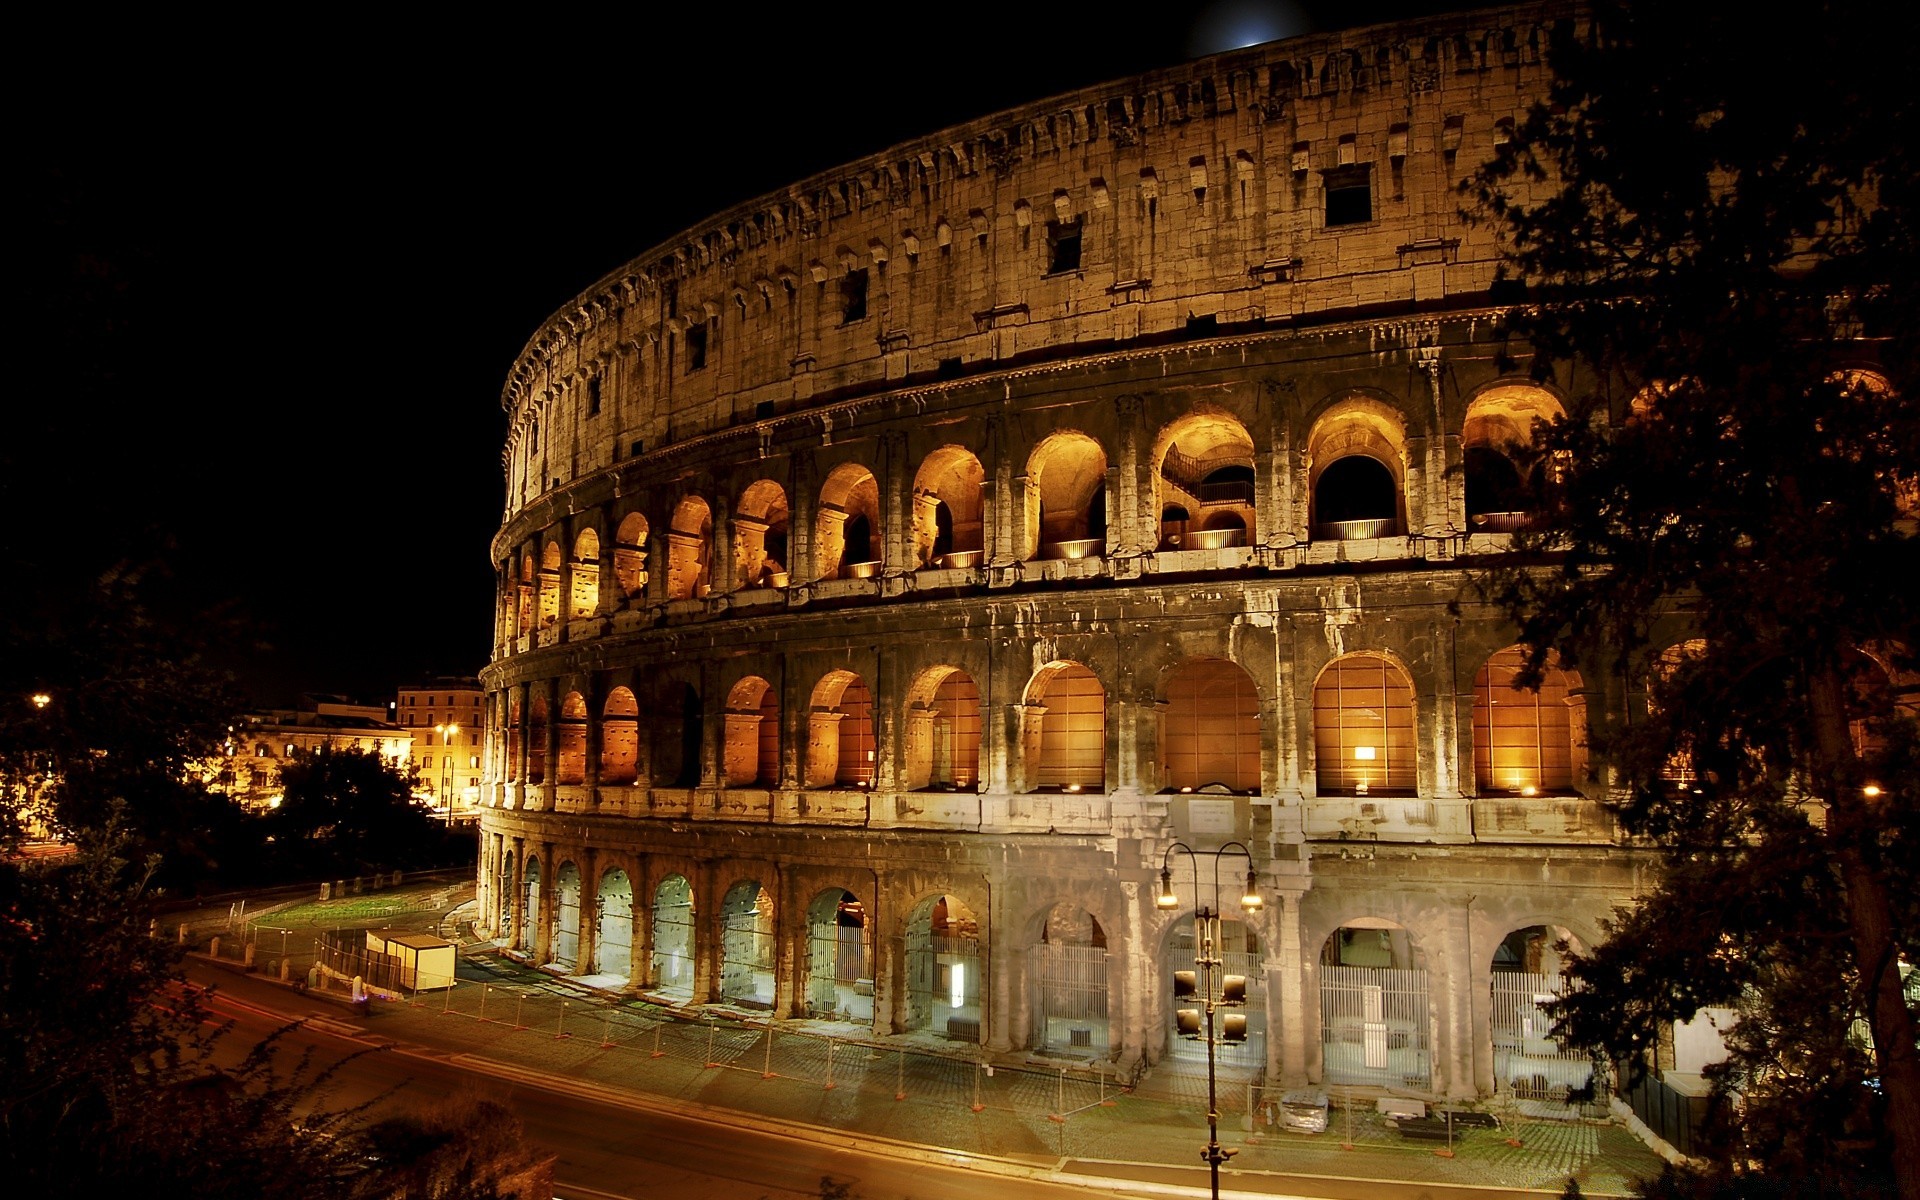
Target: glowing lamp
{"x":1363,"y":753}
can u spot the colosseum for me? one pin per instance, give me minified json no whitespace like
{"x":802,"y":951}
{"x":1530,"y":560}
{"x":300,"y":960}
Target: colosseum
{"x":900,"y":569}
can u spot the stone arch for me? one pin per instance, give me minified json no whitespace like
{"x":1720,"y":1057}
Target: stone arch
{"x":630,"y":556}
{"x":526,"y":602}
{"x":944,"y":979}
{"x":949,"y":509}
{"x":677,"y":724}
{"x":1367,"y":496}
{"x":584,"y":576}
{"x":1204,"y":482}
{"x":572,"y":767}
{"x":673,"y":937}
{"x":746,"y":946}
{"x":1376,"y":1009}
{"x":516,"y":735}
{"x":751,"y":757}
{"x":1667,"y":671}
{"x":620,"y":737}
{"x":1506,"y":474}
{"x":566,"y":917}
{"x":1364,"y":727}
{"x":1210,"y":726}
{"x":1527,"y":742}
{"x":848,"y":533}
{"x":761,"y":526}
{"x":1073,"y":995}
{"x":550,"y":562}
{"x":1066,"y":497}
{"x":1526,"y":972}
{"x":1064,"y":737}
{"x":689,"y":549}
{"x":943,"y":744}
{"x":837,"y":969}
{"x":537,"y":738}
{"x":840,"y":743}
{"x":528,"y":937}
{"x":613,"y":931}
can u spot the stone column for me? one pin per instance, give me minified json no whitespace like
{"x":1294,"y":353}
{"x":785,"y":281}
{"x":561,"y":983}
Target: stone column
{"x":549,"y":871}
{"x":596,"y":738}
{"x":583,"y":963}
{"x":1440,"y":517}
{"x":1286,"y":989}
{"x":610,"y":598}
{"x":721,"y":578}
{"x":552,"y":740}
{"x":517,"y":900}
{"x":1130,"y":488}
{"x":896,"y":552}
{"x":822,"y":762}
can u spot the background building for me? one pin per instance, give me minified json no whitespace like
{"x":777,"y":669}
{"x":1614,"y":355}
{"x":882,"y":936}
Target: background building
{"x":446,"y":718}
{"x":250,"y":769}
{"x":894,"y":567}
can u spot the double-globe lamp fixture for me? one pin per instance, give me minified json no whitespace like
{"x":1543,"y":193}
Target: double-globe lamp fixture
{"x":1200,"y":984}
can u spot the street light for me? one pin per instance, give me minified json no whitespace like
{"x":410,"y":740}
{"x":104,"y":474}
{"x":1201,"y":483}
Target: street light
{"x":1232,"y":992}
{"x":447,"y":733}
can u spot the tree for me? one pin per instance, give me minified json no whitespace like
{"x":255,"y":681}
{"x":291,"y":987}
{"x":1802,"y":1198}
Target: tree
{"x":357,"y":808}
{"x":1715,"y":229}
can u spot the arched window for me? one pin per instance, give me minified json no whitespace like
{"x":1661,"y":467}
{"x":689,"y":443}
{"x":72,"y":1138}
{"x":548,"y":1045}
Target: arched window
{"x":573,"y":740}
{"x":752,"y":753}
{"x":630,"y":556}
{"x":550,"y":584}
{"x":586,"y":575}
{"x":1357,"y":453}
{"x":1067,"y":497}
{"x":1505,"y":472}
{"x":537,"y":740}
{"x":1211,"y":727}
{"x":1526,"y":742}
{"x":1363,"y":727}
{"x":1065,"y":740}
{"x":840,"y":745}
{"x":760,"y":526}
{"x":620,"y":738}
{"x":1206,"y":472}
{"x":848,"y":529}
{"x":689,"y":543}
{"x":943,"y":731}
{"x":948,"y":509}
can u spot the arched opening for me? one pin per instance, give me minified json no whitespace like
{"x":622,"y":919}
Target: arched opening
{"x":566,"y":925}
{"x":1211,"y":727}
{"x":760,"y":528}
{"x":1206,"y":472}
{"x":839,"y":981}
{"x":550,"y":584}
{"x":1363,"y":727}
{"x":1527,"y":742}
{"x":1670,"y":670}
{"x":527,"y":602}
{"x":1505,"y":470}
{"x":620,"y":738}
{"x":530,"y":906}
{"x":849,"y":529}
{"x":1071,"y":964}
{"x":1878,"y":692}
{"x":943,"y":969}
{"x":943,"y":731}
{"x":1374,"y":1009}
{"x":1067,"y":498}
{"x":676,"y":736}
{"x":1064,"y":741}
{"x":1241,"y":954}
{"x":949,"y":523}
{"x":573,"y":740}
{"x":689,"y":547}
{"x":840,"y":745}
{"x":1527,"y":1059}
{"x":1357,"y":470}
{"x":752,"y":754}
{"x":673,"y":938}
{"x":516,"y":736}
{"x":503,"y":897}
{"x":630,"y":556}
{"x":746,"y":946}
{"x":613,"y":935}
{"x":537,"y":739}
{"x":585,"y":583}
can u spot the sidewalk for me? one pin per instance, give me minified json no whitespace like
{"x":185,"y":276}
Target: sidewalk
{"x":1032,"y":1119}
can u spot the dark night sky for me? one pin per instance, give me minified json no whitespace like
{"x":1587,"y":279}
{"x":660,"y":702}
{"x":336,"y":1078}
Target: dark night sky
{"x":275,"y":278}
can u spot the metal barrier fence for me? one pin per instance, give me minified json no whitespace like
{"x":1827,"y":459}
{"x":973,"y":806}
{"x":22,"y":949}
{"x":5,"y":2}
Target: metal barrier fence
{"x":1673,"y":1116}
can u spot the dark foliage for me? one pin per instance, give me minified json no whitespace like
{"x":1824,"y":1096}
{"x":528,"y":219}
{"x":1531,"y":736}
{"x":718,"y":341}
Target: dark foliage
{"x":1720,"y":268}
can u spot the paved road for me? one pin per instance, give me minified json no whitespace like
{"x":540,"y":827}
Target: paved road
{"x":611,"y":1145}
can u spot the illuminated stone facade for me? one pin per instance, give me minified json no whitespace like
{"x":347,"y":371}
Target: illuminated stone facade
{"x":444,"y":716}
{"x":894,"y":567}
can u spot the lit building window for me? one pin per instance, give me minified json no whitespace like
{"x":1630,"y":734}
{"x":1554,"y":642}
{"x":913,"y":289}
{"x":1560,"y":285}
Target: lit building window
{"x":1527,"y":742}
{"x":1363,"y":733}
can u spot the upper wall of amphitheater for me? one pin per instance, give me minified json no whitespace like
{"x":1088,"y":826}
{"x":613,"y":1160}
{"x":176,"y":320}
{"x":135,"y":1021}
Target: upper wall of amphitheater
{"x":1305,"y":180}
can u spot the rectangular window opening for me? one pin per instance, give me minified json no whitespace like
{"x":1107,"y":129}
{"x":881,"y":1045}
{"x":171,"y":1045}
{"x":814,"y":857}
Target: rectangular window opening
{"x":1349,"y":195}
{"x":1063,"y":246}
{"x":853,"y":296}
{"x":696,"y":347}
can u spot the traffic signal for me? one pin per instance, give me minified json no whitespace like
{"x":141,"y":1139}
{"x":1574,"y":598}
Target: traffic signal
{"x":1233,"y":1027}
{"x":1187,"y":1021}
{"x":1233,"y":990}
{"x":1185,"y":985}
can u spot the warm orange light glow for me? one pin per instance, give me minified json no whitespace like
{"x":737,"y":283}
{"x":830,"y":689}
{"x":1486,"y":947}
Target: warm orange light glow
{"x":1363,"y":753}
{"x":1529,"y":790}
{"x":1871,"y":791}
{"x":41,"y":699}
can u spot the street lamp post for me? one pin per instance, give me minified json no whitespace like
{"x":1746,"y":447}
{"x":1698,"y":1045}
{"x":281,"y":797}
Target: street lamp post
{"x":1232,"y":989}
{"x":447,"y":733}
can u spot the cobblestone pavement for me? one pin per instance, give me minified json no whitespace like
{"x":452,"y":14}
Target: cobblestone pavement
{"x":818,"y":1074}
